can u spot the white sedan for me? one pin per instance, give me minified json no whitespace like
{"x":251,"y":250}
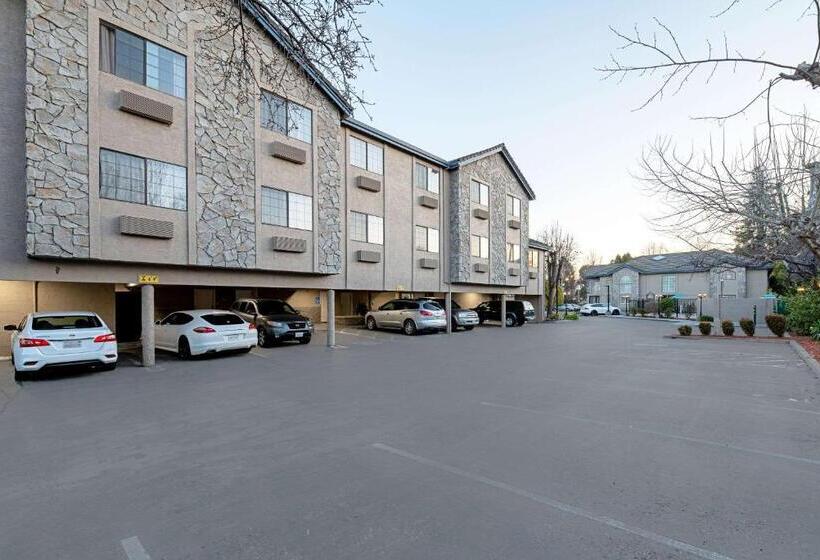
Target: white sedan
{"x":48,"y":340}
{"x":595,"y":309}
{"x":204,"y":331}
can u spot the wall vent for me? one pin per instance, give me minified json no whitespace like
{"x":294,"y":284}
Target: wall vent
{"x":481,"y":268}
{"x":287,"y":152}
{"x":289,"y":244}
{"x":368,"y":256}
{"x":533,"y":275}
{"x":368,"y":184}
{"x":146,"y":227}
{"x":514,"y":271}
{"x":428,"y":263}
{"x":428,"y":201}
{"x":481,"y":213}
{"x":142,"y":106}
{"x":514,"y":224}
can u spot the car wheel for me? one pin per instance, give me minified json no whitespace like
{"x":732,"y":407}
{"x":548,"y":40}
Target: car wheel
{"x":481,"y":320}
{"x":261,"y":338}
{"x":594,"y":314}
{"x":371,"y":324}
{"x":409,"y":327}
{"x":510,"y":321}
{"x":616,"y":312}
{"x":184,"y":351}
{"x":305,"y":340}
{"x":19,"y":375}
{"x":454,"y":325}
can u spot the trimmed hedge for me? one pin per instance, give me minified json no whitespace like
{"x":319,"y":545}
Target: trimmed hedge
{"x":707,"y":318}
{"x":705,"y":328}
{"x":776,"y":323}
{"x":684,"y":330}
{"x":748,"y":326}
{"x":727,"y":327}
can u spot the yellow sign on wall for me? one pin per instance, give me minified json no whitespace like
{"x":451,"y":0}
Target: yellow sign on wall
{"x":148,"y":279}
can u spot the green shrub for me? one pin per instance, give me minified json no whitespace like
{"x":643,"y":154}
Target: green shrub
{"x":684,"y":330}
{"x":728,"y":328}
{"x":748,"y":326}
{"x":705,"y":328}
{"x":803,"y":311}
{"x":776,"y":323}
{"x":571,"y":317}
{"x":814,"y":331}
{"x":554,"y":317}
{"x":707,"y":318}
{"x":667,"y":306}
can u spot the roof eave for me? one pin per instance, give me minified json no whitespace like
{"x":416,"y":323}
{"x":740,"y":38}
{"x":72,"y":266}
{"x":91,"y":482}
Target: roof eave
{"x":502,"y":149}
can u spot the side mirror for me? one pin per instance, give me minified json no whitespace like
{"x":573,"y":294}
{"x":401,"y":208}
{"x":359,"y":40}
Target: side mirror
{"x":10,"y":328}
{"x":157,"y":322}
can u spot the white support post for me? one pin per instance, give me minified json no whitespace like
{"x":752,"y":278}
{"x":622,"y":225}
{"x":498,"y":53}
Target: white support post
{"x":148,"y":348}
{"x":541,"y":316}
{"x":331,"y":318}
{"x":503,"y":311}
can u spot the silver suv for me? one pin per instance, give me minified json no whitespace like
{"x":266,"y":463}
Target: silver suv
{"x":408,"y":315}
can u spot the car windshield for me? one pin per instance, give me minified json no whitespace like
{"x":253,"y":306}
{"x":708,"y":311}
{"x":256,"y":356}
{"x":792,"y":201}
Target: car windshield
{"x":220,"y":319}
{"x":274,"y":307}
{"x":528,"y":306}
{"x":57,"y":322}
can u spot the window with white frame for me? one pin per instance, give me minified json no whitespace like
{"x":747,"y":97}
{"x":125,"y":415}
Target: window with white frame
{"x":480,"y":246}
{"x":479,"y":193}
{"x":532,"y":258}
{"x":625,"y":284}
{"x":366,"y":155}
{"x":139,"y":60}
{"x":287,"y":209}
{"x":513,"y":252}
{"x":145,"y":181}
{"x":426,"y":178}
{"x":669,"y":284}
{"x":513,"y":206}
{"x":366,"y":228}
{"x":286,"y":117}
{"x":427,"y":239}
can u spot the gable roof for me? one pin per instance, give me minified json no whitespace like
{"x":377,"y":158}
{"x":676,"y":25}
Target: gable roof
{"x":669,"y":263}
{"x":278,"y":36}
{"x":505,"y":153}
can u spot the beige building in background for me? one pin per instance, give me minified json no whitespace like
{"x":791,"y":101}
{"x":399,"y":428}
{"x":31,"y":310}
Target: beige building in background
{"x":125,"y":158}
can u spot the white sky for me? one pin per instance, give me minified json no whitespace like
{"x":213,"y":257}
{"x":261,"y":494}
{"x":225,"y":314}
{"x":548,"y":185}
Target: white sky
{"x":463,"y":75}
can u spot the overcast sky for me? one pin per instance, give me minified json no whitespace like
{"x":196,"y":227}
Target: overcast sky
{"x":457,"y":76}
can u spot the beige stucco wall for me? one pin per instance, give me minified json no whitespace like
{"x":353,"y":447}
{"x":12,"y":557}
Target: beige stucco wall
{"x":16,"y":299}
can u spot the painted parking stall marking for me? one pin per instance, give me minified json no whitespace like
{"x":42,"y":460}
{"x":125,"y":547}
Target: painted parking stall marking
{"x":560,"y":506}
{"x":133,"y":549}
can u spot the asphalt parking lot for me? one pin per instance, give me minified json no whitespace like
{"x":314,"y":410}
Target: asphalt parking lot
{"x":586,"y":439}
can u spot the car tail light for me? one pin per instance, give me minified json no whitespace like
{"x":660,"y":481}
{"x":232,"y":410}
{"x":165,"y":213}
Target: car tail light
{"x":110,"y":337}
{"x":204,"y":330}
{"x":425,"y":313}
{"x":251,"y":327}
{"x":32,"y":342}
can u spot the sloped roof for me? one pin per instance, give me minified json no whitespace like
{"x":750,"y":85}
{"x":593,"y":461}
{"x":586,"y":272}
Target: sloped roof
{"x":668,"y":263}
{"x":279,"y":37}
{"x":505,"y":153}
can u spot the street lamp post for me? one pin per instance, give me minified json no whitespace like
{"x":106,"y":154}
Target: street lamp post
{"x":700,"y":298}
{"x":607,"y":298}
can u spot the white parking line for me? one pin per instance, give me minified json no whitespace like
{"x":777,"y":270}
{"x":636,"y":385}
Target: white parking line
{"x":656,"y":433}
{"x":560,"y":506}
{"x":133,"y":549}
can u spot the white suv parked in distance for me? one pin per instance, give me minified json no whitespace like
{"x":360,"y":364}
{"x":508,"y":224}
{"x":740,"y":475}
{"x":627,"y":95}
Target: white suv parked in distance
{"x":59,"y":339}
{"x":595,"y":309}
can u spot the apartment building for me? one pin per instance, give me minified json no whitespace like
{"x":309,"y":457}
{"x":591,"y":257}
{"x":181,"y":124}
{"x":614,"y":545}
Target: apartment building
{"x":129,"y":161}
{"x":721,"y":283}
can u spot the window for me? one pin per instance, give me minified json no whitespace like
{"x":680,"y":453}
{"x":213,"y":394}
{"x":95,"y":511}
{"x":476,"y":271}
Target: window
{"x":513,"y":206}
{"x":427,"y":178}
{"x":286,"y":117}
{"x":480,"y":246}
{"x":366,"y":228}
{"x":513,"y":252}
{"x":626,"y":284}
{"x":139,"y":60}
{"x":479,"y":193}
{"x":287,"y":209}
{"x":427,"y":239}
{"x":366,"y":155}
{"x":669,"y":284}
{"x":730,"y":275}
{"x":532,"y":258}
{"x":146,"y":181}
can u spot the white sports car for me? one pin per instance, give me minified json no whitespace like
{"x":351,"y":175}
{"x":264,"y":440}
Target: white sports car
{"x":50,"y":340}
{"x":595,"y":309}
{"x":204,"y":331}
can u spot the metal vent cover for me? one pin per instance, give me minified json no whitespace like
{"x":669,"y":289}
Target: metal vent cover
{"x":142,"y":106}
{"x":146,"y":227}
{"x":514,"y":271}
{"x":287,"y":152}
{"x":481,"y":268}
{"x":533,"y":275}
{"x":481,"y":214}
{"x":428,"y":201}
{"x":514,"y":224}
{"x":368,"y":256}
{"x":368,"y":184}
{"x":428,"y":263}
{"x":289,"y":244}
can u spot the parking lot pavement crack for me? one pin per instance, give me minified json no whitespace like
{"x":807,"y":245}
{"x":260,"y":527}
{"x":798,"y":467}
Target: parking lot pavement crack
{"x":560,"y":506}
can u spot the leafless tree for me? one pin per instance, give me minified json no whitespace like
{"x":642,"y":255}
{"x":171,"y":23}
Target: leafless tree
{"x":654,"y":248}
{"x":765,"y":196}
{"x":672,"y":68}
{"x":563,"y":251}
{"x":323,"y":35}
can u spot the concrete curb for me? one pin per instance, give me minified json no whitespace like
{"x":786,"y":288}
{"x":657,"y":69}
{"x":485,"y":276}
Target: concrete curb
{"x":716,"y":337}
{"x":808,"y":358}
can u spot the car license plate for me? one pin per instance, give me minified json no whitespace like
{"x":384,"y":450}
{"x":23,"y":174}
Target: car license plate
{"x":71,"y":344}
{"x":233,"y":337}
{"x":299,"y":334}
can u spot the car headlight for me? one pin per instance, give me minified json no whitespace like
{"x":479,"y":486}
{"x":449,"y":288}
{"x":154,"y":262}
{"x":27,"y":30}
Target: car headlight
{"x":309,"y":323}
{"x":275,"y":324}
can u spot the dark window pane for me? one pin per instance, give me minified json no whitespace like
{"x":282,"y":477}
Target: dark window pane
{"x":223,"y":319}
{"x":274,"y":113}
{"x":122,"y":177}
{"x":58,"y":322}
{"x":165,"y":69}
{"x":130,"y":57}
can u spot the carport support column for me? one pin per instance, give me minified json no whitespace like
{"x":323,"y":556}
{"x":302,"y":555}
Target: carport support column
{"x":148,"y":351}
{"x":503,"y":311}
{"x":331,"y":318}
{"x":541,"y":311}
{"x":448,"y":304}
